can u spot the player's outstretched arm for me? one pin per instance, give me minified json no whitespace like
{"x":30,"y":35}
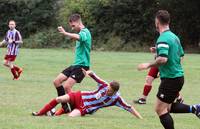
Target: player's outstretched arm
{"x":159,"y":61}
{"x":70,"y":35}
{"x":2,"y":42}
{"x":91,"y":74}
{"x":135,"y":113}
{"x":122,"y":104}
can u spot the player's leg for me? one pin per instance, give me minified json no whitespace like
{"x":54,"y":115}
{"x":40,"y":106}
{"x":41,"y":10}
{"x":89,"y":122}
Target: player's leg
{"x":152,"y":74}
{"x":60,"y":91}
{"x":6,"y":63}
{"x":184,"y":108}
{"x":18,"y":69}
{"x":75,"y":113}
{"x":161,"y":109}
{"x":68,"y":84}
{"x":52,"y":104}
{"x":76,"y":76}
{"x":13,"y":71}
{"x":58,"y":84}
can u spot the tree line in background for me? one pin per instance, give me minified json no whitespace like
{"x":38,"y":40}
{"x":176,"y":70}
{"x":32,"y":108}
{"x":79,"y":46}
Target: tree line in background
{"x":115,"y":24}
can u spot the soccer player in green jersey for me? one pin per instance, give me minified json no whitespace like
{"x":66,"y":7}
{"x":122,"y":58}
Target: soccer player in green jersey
{"x":73,"y":74}
{"x":168,"y":60}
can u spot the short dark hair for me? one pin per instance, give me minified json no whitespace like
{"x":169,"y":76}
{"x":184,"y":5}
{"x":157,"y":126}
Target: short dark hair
{"x":163,"y":16}
{"x":115,"y":85}
{"x":75,"y":17}
{"x":12,"y":21}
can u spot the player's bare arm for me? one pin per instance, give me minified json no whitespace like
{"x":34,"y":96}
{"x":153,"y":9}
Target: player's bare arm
{"x":70,"y":35}
{"x":2,"y":42}
{"x":158,"y":62}
{"x":135,"y":113}
{"x":91,"y":74}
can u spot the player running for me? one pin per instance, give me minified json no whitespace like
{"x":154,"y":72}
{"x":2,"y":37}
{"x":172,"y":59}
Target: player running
{"x":153,"y":73}
{"x":73,"y":74}
{"x":169,"y":51}
{"x":88,"y":102}
{"x":13,"y":39}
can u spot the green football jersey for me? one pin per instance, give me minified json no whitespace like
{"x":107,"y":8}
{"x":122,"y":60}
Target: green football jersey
{"x":168,"y":45}
{"x":83,"y":48}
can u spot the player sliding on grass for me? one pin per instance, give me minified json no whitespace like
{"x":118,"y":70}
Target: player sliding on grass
{"x":73,"y":74}
{"x":88,"y":102}
{"x":169,"y":51}
{"x":13,"y":39}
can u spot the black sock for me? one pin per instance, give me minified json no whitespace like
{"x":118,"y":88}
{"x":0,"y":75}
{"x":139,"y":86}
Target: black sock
{"x":167,"y":121}
{"x":180,"y":108}
{"x":61,"y":92}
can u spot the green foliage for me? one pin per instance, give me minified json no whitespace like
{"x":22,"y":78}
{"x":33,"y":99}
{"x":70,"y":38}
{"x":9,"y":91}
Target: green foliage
{"x":129,"y":22}
{"x":47,"y":39}
{"x":31,"y":15}
{"x":132,"y":21}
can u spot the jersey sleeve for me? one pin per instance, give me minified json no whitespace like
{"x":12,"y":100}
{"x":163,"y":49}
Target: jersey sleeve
{"x":122,"y":104}
{"x":18,"y":36}
{"x":162,"y":49}
{"x":83,"y":36}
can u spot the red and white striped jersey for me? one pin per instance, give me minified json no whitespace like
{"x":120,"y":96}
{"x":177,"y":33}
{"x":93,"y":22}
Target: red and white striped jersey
{"x":94,"y":100}
{"x":13,"y":48}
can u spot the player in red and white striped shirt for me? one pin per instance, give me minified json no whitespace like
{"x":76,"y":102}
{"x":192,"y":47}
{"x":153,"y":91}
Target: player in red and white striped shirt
{"x":88,"y":102}
{"x":13,"y":39}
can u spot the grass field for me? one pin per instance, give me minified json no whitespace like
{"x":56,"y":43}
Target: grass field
{"x":19,"y":98}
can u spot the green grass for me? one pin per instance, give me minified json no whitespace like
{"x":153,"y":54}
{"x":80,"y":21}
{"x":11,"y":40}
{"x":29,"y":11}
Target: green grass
{"x":19,"y":98}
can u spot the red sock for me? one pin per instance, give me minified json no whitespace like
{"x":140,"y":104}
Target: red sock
{"x":14,"y":72}
{"x":48,"y":107}
{"x":146,"y":90}
{"x":16,"y":68}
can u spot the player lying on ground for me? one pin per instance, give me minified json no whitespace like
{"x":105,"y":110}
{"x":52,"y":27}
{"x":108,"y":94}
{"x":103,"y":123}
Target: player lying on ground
{"x":153,"y":73}
{"x":88,"y":102}
{"x":13,"y":39}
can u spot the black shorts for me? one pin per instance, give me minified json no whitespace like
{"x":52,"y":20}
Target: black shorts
{"x":75,"y":72}
{"x":169,"y":89}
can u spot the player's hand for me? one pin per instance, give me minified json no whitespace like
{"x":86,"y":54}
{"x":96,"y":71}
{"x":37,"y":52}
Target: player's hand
{"x":87,"y":73}
{"x":61,"y":30}
{"x":10,"y":41}
{"x":152,"y":49}
{"x":136,"y":113}
{"x":143,"y":66}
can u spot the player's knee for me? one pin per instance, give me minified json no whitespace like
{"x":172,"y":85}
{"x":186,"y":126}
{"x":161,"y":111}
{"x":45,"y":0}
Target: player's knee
{"x":149,"y":80}
{"x":160,"y":111}
{"x":56,"y":82}
{"x":67,"y":88}
{"x":58,"y":99}
{"x":5,"y":63}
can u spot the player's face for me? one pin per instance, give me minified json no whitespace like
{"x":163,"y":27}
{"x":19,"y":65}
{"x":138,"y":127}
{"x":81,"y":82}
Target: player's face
{"x":157,"y":24}
{"x":75,"y":26}
{"x":12,"y":25}
{"x":110,"y":91}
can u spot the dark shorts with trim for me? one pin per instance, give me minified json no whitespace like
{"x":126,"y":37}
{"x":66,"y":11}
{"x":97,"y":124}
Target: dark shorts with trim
{"x":169,"y":89}
{"x":75,"y":72}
